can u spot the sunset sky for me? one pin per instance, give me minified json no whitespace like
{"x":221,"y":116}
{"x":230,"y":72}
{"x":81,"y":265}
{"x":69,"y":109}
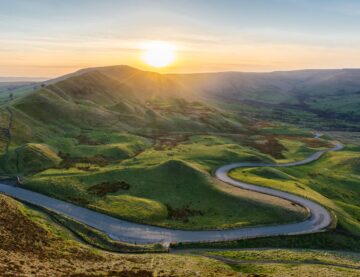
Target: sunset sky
{"x":53,"y":37}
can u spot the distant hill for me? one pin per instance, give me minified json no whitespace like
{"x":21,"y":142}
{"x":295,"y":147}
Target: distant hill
{"x":144,"y":84}
{"x":119,"y":99}
{"x":126,"y":141}
{"x":331,"y":98}
{"x":122,"y":98}
{"x":241,"y":84}
{"x":272,"y":87}
{"x":22,"y":79}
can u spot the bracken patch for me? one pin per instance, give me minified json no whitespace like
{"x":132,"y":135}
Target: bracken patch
{"x":182,"y":214}
{"x":68,"y":161}
{"x":107,"y":187}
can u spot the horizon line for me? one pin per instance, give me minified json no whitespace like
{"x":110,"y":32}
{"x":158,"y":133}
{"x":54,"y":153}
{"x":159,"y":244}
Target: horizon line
{"x":46,"y":78}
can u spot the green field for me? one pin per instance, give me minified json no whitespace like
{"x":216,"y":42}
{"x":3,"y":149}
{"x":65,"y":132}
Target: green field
{"x":167,"y":185}
{"x":104,"y":145}
{"x":52,"y":249}
{"x":332,"y":181}
{"x":142,"y":147}
{"x":33,"y":243}
{"x":284,"y":262}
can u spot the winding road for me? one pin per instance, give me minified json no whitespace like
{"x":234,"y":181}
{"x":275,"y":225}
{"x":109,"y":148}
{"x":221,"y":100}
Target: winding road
{"x":319,"y":219}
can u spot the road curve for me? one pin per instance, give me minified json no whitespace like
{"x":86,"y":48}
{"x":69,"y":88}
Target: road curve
{"x":131,"y":232}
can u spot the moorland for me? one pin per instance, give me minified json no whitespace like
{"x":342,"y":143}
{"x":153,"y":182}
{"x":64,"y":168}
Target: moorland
{"x":143,"y":146}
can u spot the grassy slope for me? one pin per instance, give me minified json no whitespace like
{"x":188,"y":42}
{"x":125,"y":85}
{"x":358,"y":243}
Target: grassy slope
{"x":41,"y":247}
{"x":169,"y":179}
{"x":96,"y":100}
{"x":319,"y":100}
{"x":31,"y":244}
{"x":99,"y":102}
{"x":85,"y":120}
{"x":80,"y":138}
{"x":341,"y":166}
{"x":283,"y":262}
{"x":170,"y":176}
{"x":81,"y":131}
{"x":331,"y":257}
{"x":30,"y":158}
{"x":333,"y":181}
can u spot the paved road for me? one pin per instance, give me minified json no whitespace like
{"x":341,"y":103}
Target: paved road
{"x":133,"y":232}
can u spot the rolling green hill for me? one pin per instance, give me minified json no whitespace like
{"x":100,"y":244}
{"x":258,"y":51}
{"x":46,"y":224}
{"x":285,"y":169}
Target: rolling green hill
{"x":142,"y":146}
{"x":333,"y":181}
{"x":115,"y":99}
{"x":97,"y":99}
{"x":135,"y":145}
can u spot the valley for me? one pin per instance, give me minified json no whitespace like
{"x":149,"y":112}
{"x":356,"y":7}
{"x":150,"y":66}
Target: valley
{"x":141,"y":149}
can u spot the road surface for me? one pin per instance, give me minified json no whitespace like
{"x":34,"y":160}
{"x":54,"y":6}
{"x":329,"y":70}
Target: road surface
{"x":131,"y":232}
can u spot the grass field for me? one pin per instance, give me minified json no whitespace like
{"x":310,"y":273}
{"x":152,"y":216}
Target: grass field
{"x":283,"y":262}
{"x":334,"y":239}
{"x":41,"y":246}
{"x":33,"y":244}
{"x":167,"y":186}
{"x":332,"y":181}
{"x":117,"y":142}
{"x":162,"y":179}
{"x":296,"y":256}
{"x":155,"y":177}
{"x":139,"y":146}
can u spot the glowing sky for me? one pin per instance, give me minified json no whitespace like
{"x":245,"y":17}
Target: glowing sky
{"x":53,"y":37}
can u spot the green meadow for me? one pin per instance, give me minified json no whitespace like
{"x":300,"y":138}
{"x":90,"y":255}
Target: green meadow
{"x":114,"y":140}
{"x":167,"y":184}
{"x":286,"y":262}
{"x":332,"y":181}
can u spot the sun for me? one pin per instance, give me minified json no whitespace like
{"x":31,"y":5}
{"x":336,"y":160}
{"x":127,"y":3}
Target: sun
{"x":159,"y":54}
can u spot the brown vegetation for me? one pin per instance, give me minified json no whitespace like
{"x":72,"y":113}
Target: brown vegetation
{"x":169,"y":142}
{"x":263,"y":124}
{"x":68,"y":161}
{"x":87,"y":168}
{"x":106,"y":187}
{"x":82,"y":139}
{"x":269,"y":145}
{"x":309,"y":142}
{"x":28,"y":248}
{"x":182,"y":214}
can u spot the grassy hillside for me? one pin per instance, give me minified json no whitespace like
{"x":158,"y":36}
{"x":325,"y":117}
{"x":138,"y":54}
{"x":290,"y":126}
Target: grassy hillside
{"x":142,"y":146}
{"x":169,"y":183}
{"x":319,"y":99}
{"x":121,"y":141}
{"x":284,"y":262}
{"x":98,"y":101}
{"x":12,"y":90}
{"x":33,"y":244}
{"x":30,"y":158}
{"x":167,"y":186}
{"x":333,"y":181}
{"x":326,"y":99}
{"x":110,"y":100}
